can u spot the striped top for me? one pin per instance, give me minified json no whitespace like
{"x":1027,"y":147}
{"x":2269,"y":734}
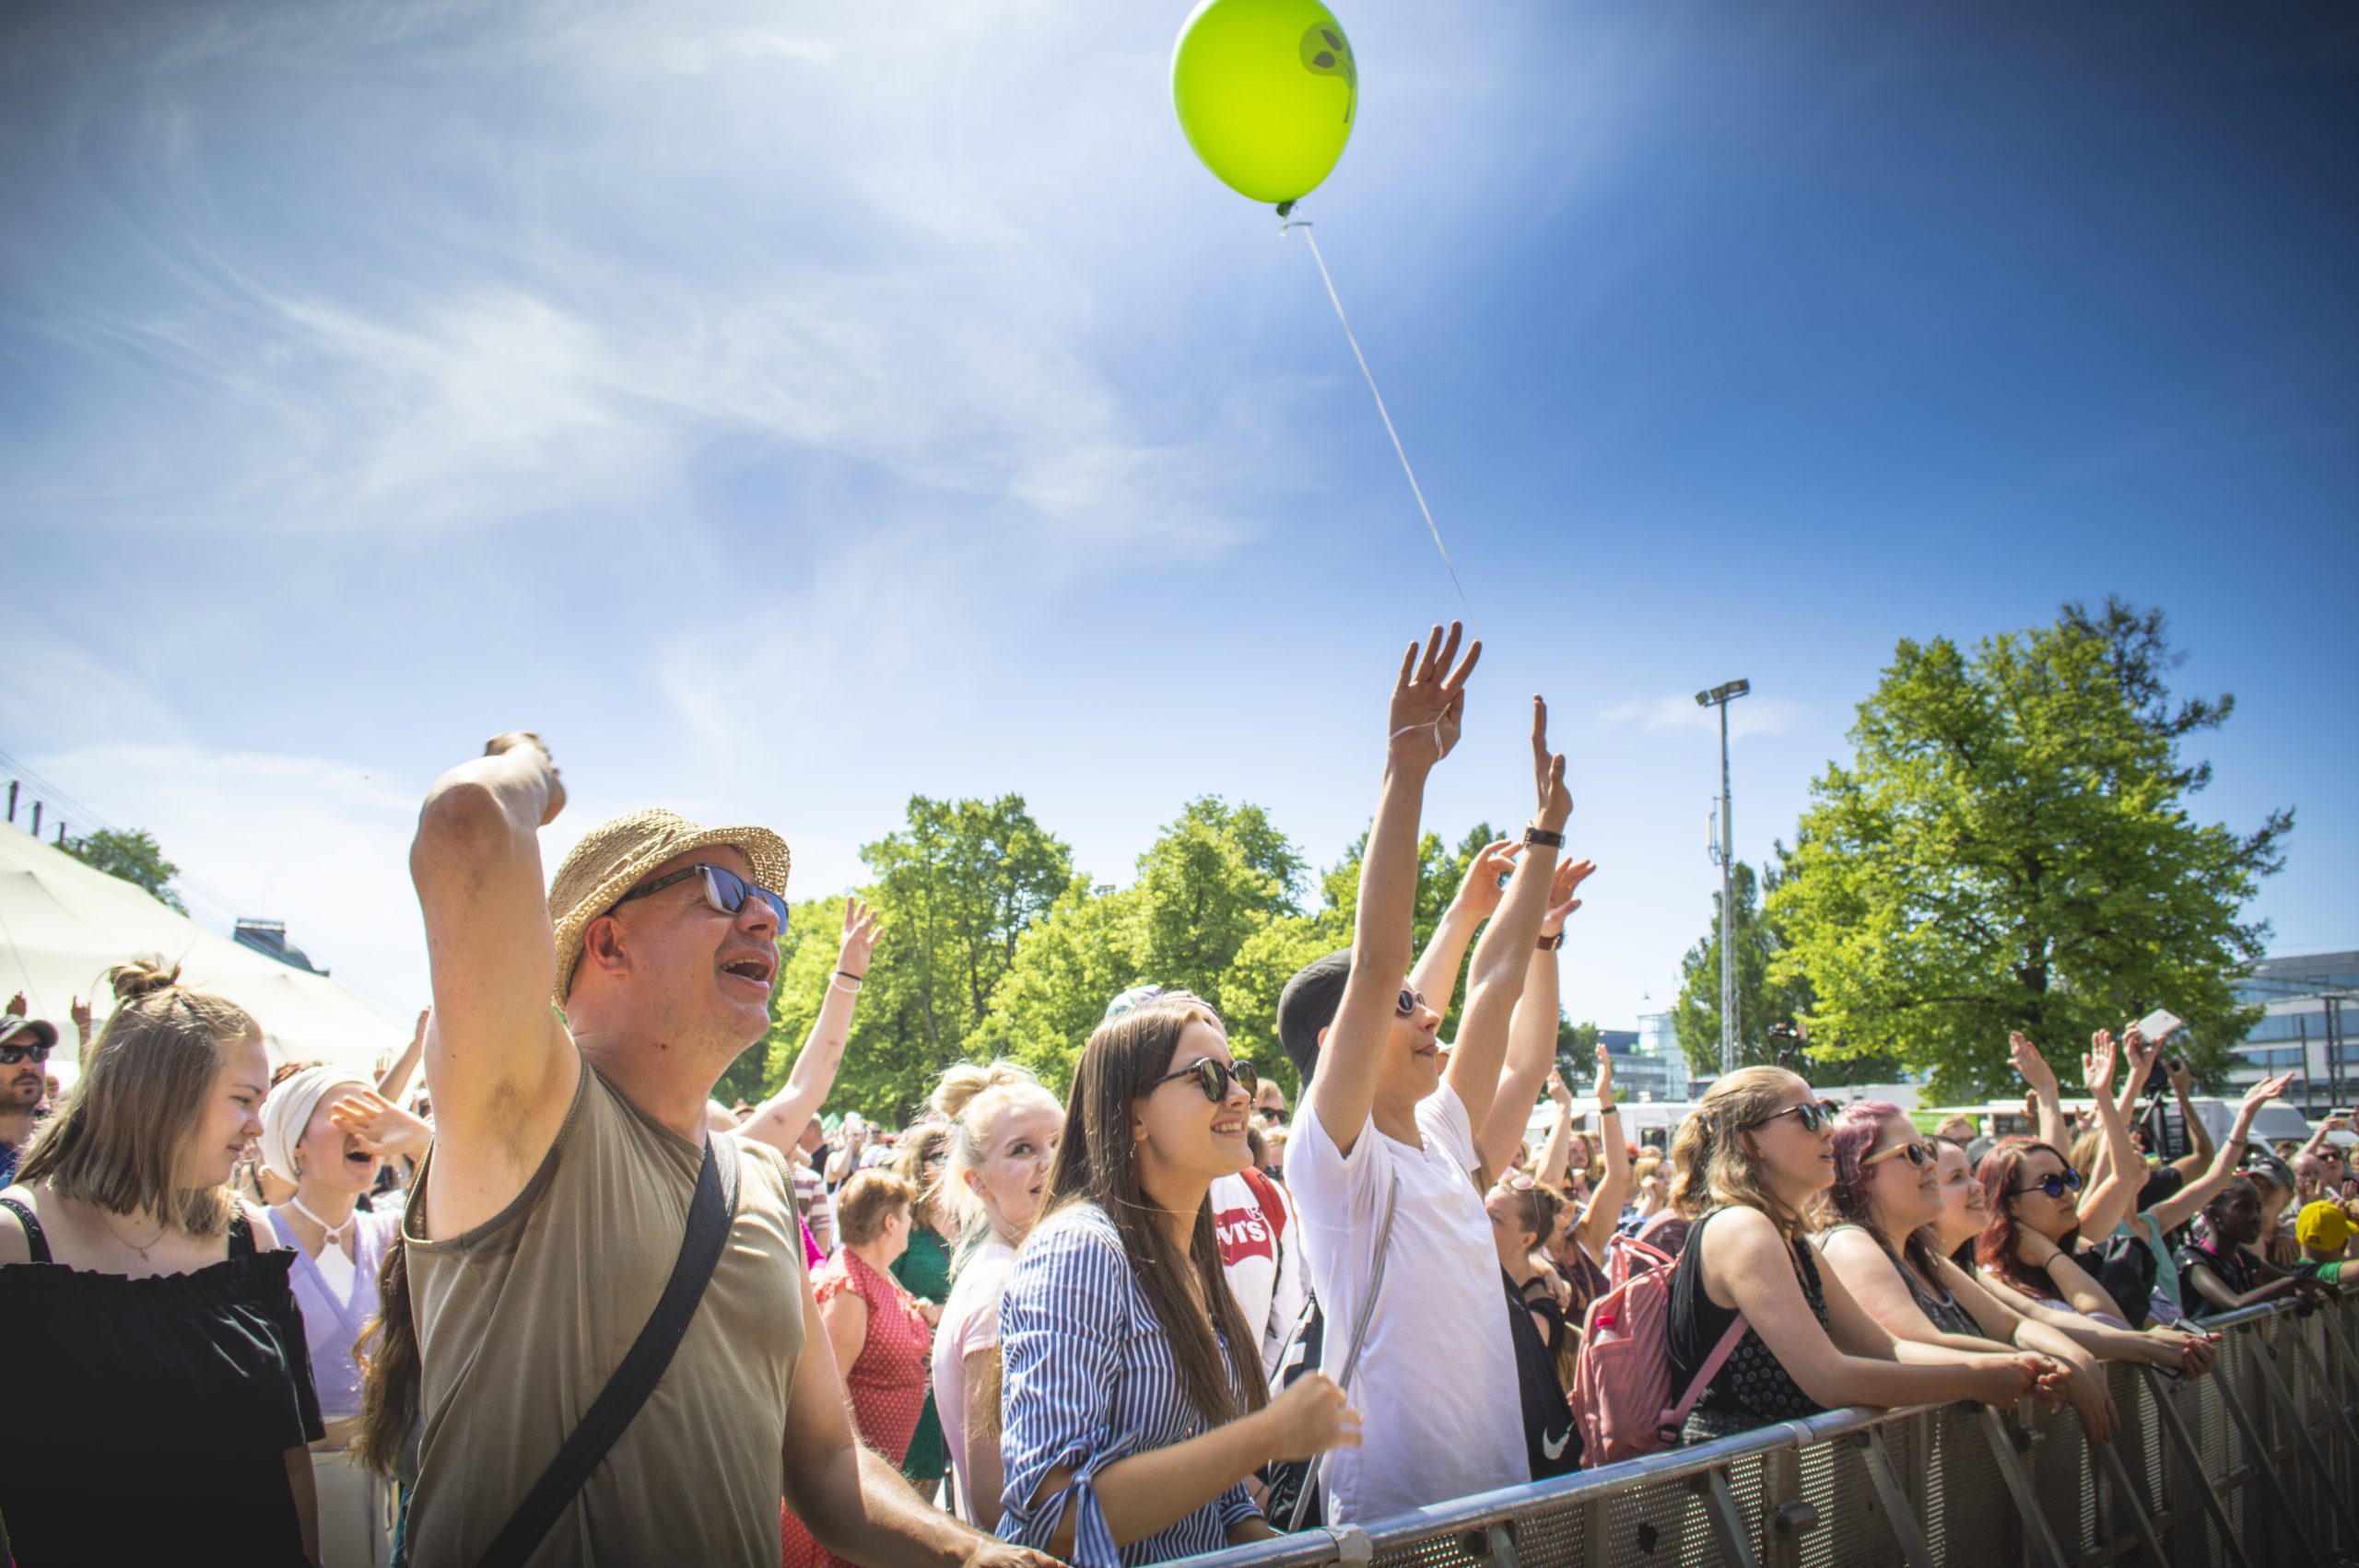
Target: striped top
{"x":1090,"y":1380}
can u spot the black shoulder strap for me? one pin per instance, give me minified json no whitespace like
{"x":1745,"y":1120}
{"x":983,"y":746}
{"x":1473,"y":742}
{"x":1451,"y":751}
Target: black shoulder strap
{"x":36,"y":1239}
{"x":710,"y":1212}
{"x":242,"y":1233}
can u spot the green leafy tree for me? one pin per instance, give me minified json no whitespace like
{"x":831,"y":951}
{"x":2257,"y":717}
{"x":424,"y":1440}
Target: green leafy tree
{"x":1763,"y":997}
{"x":2013,"y":847}
{"x":134,"y":857}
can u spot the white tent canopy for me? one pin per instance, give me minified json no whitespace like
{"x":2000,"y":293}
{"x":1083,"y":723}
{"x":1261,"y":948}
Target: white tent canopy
{"x":62,"y":924}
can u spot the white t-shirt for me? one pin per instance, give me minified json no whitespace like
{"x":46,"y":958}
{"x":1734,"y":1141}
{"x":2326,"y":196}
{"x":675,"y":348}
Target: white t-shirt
{"x":970,"y":1323}
{"x":1261,"y":1259}
{"x":1435,"y":1384}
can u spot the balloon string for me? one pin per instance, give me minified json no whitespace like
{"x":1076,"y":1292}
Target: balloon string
{"x":1382,"y":413}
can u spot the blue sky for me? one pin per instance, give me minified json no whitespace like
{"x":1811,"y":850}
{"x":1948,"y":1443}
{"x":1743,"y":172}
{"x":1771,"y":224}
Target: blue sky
{"x":786,"y":408}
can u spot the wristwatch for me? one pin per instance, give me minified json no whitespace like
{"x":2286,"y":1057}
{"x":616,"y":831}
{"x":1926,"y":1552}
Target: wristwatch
{"x":1542,"y":836}
{"x":1551,"y":944}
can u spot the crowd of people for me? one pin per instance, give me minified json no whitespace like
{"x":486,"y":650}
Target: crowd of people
{"x":559,"y":1307}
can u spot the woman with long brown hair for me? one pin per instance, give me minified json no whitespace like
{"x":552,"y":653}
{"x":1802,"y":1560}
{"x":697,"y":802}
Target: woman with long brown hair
{"x":170,"y":1350}
{"x":1756,"y":1154}
{"x":1135,"y":1402}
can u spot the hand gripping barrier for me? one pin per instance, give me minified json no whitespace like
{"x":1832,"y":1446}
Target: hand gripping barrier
{"x":2256,"y":1465}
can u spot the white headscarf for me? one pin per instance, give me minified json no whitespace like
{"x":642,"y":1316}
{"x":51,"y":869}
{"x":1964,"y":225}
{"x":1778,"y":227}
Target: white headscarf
{"x":286,"y":1114}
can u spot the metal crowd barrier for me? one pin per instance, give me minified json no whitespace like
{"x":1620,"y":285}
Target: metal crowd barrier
{"x":2256,"y":1464}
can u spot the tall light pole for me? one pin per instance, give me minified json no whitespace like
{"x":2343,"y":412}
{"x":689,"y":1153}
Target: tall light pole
{"x":1719,"y":697}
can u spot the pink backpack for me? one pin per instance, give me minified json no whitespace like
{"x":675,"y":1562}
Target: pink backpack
{"x":1622,"y":1394}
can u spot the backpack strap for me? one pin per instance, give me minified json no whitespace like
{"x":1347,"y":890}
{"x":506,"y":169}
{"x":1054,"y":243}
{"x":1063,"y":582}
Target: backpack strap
{"x":711,"y":1211}
{"x":1359,"y":1335}
{"x":1265,"y":1193}
{"x":1676,"y":1417}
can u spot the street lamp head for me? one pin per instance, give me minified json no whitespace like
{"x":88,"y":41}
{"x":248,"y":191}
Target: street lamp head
{"x":1703,"y":699}
{"x":1721,"y":695}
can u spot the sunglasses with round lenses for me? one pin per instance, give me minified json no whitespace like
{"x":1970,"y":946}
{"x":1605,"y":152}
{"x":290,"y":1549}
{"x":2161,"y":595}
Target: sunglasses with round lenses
{"x":2055,"y":1184}
{"x":1411,"y":999}
{"x":11,"y":1055}
{"x":1921,"y":1153}
{"x":723,"y":889}
{"x":1214,"y":1075}
{"x":1815,"y":1115}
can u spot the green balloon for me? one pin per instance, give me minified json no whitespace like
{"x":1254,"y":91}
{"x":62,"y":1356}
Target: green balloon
{"x":1266,"y":90}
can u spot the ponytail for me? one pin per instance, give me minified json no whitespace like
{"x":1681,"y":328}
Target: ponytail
{"x":390,"y":1373}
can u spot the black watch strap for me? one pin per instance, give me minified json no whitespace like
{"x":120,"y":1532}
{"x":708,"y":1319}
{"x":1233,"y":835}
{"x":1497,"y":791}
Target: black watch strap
{"x":1542,"y":836}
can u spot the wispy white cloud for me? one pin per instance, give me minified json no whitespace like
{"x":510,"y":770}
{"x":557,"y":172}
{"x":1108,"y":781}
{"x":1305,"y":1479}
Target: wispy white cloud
{"x":1674,"y":714}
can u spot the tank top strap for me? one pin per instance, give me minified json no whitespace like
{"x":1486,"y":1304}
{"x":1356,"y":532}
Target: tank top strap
{"x":36,"y":1239}
{"x":241,"y":1233}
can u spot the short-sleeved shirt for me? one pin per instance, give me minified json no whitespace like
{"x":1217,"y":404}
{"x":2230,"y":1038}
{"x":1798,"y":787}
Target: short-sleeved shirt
{"x":522,"y":1320}
{"x":1262,"y":1262}
{"x":1436,"y":1382}
{"x":1092,"y":1380}
{"x":333,"y":1323}
{"x":970,"y":1323}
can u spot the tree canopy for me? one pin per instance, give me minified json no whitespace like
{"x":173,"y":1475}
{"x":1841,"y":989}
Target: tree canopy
{"x":2013,"y":847}
{"x":134,"y":857}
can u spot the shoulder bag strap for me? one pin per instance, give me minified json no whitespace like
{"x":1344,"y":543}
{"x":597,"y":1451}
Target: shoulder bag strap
{"x":710,"y":1212}
{"x":1360,"y":1333}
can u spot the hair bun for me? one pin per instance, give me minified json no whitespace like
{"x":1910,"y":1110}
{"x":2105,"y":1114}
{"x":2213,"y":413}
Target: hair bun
{"x":963,"y":1081}
{"x":141,"y":977}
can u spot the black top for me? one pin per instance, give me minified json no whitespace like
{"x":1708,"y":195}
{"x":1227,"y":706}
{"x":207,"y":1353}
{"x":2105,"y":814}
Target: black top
{"x":164,"y":1407}
{"x":2161,"y":1182}
{"x":1751,"y":1388}
{"x":1552,"y":1443}
{"x":1945,"y":1311}
{"x":2237,"y":1269}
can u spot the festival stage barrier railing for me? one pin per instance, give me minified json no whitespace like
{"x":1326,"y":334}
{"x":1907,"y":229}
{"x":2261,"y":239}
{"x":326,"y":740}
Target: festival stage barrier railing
{"x":2256,"y":1464}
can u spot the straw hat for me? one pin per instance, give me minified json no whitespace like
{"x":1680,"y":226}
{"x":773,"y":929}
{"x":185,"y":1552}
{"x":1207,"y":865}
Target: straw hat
{"x":615,"y":855}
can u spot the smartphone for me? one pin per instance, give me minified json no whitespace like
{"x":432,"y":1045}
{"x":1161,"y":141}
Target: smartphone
{"x":2157,"y":1025}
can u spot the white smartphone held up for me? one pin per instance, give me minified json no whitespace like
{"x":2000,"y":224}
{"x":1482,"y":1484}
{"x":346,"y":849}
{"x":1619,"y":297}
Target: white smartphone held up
{"x":2157,"y":1025}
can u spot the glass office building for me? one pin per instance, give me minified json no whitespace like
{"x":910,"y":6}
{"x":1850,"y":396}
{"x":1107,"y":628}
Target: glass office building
{"x":2307,"y":1030}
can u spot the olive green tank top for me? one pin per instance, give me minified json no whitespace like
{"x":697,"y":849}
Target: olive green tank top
{"x":522,"y":1319}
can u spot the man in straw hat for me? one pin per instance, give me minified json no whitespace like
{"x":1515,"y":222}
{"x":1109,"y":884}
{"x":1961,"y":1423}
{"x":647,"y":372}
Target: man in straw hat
{"x":548,"y":1218}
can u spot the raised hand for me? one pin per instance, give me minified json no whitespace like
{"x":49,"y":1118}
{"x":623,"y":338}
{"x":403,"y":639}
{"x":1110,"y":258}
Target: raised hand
{"x":80,"y":1013}
{"x":1556,"y":1089}
{"x":1562,"y":899}
{"x":2096,"y":1067}
{"x":1548,"y":774}
{"x":519,"y":740}
{"x":19,"y":1006}
{"x":2261,"y":1093}
{"x":1486,"y":877}
{"x":861,"y":925}
{"x":383,"y":1127}
{"x":2032,"y":1065}
{"x":1430,"y":698}
{"x":1604,"y":1078}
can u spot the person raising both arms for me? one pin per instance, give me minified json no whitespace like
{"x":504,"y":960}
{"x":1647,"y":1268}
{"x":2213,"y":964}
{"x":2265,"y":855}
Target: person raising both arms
{"x":571,"y":1152}
{"x":169,"y":1385}
{"x":1757,"y":1151}
{"x":1137,"y":1402}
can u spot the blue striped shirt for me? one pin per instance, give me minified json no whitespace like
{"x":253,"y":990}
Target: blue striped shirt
{"x":1089,"y":1380}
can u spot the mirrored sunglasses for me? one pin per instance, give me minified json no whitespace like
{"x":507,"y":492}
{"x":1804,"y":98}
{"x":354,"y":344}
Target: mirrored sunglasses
{"x":2055,"y":1184}
{"x":723,"y":889}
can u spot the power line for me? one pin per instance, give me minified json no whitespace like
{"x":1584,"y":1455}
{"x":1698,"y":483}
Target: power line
{"x":207,"y":905}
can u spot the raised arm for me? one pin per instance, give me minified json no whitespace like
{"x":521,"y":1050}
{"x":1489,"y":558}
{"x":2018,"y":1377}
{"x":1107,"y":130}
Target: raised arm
{"x":2188,"y":1200}
{"x":1479,"y":892}
{"x":1429,"y":705}
{"x":1604,"y":1209}
{"x":2137,"y":1058}
{"x":1502,"y":959}
{"x":778,"y":1121}
{"x":499,"y":1064}
{"x":2034,"y":1070}
{"x":2113,"y":1196}
{"x":394,"y":1082}
{"x":1556,"y":1154}
{"x":2197,"y":1159}
{"x":1531,"y":1032}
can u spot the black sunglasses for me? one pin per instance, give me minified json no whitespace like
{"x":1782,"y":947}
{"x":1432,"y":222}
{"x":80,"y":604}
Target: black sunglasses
{"x":1213,"y":1076}
{"x":2055,"y":1184}
{"x":11,"y":1055}
{"x":723,"y":889}
{"x":1815,"y":1115}
{"x":1411,"y":999}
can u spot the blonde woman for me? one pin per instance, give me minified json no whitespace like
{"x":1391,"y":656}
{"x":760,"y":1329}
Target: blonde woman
{"x":1757,"y":1152}
{"x":1004,"y":1132}
{"x":170,"y":1351}
{"x":923,"y":1270}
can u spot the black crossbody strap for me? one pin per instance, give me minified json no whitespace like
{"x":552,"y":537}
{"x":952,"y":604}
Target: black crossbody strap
{"x":710,"y":1212}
